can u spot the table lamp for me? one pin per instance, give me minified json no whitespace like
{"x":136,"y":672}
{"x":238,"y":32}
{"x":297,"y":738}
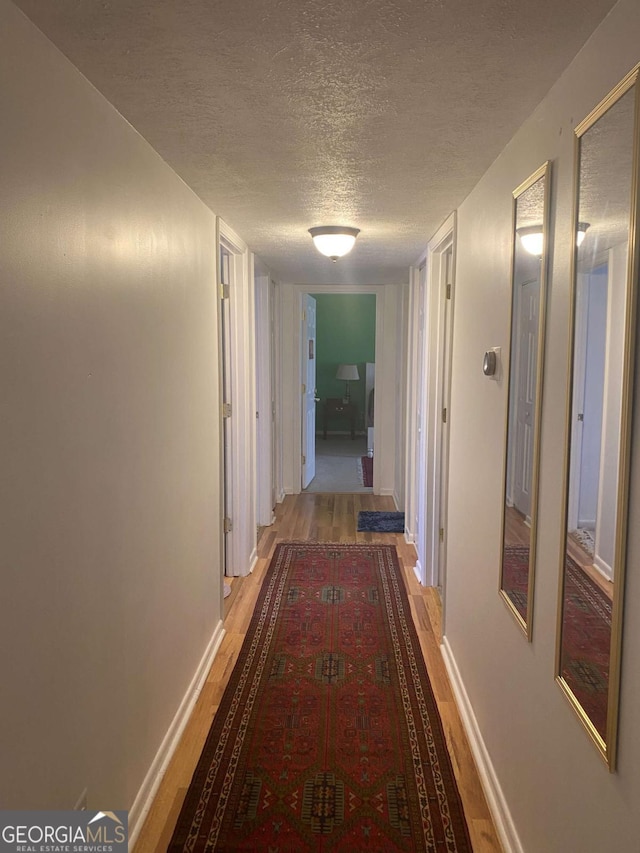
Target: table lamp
{"x":349,"y":373}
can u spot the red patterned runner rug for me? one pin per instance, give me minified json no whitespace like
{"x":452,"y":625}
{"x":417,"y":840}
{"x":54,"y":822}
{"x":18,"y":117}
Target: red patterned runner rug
{"x":367,"y":470}
{"x":327,"y":737}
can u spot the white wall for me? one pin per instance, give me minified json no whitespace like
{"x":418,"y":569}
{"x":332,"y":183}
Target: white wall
{"x":111,"y":580}
{"x":557,"y":789}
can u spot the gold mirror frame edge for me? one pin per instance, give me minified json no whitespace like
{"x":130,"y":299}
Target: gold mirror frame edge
{"x":608,"y":749}
{"x":544,"y":171}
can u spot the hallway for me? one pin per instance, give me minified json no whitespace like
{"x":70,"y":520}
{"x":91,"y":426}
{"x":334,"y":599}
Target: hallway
{"x":163,"y":167}
{"x":322,"y":518}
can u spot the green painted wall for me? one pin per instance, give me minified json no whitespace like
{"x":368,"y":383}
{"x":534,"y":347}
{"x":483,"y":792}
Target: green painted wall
{"x":345,"y":334}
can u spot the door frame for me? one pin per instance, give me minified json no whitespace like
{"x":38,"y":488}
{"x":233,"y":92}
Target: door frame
{"x":439,"y":372}
{"x":416,"y":422}
{"x":306,"y":394}
{"x":242,"y":538}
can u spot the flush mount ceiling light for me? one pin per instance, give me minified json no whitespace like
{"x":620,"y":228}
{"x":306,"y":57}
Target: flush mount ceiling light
{"x":532,"y":239}
{"x":582,"y":230}
{"x":334,"y":241}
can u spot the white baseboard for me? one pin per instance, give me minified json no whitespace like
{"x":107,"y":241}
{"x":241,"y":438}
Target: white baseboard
{"x":389,"y":492}
{"x":149,"y":788}
{"x":409,"y":538}
{"x":253,"y":559}
{"x":417,"y":570}
{"x":358,"y":432}
{"x":603,"y":567}
{"x":495,"y":798}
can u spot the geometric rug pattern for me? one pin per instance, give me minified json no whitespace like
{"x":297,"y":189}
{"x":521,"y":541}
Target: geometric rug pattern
{"x":367,"y":470}
{"x":586,"y":643}
{"x":327,"y":737}
{"x":515,"y":576}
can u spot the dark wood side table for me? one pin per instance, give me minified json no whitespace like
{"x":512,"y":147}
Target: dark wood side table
{"x":333,"y":406}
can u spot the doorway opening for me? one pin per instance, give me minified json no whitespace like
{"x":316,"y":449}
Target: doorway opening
{"x":338,"y":419}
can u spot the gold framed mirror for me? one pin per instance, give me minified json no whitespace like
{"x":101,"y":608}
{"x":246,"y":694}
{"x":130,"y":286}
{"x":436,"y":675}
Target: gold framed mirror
{"x":524,"y":397}
{"x":598,"y":432}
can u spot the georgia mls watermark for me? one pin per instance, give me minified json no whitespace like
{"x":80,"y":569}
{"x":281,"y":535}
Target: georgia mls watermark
{"x":63,"y":832}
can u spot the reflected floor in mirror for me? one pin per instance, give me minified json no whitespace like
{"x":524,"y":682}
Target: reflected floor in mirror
{"x":515,"y":576}
{"x":515,"y":559}
{"x":586,"y":642}
{"x":584,"y":558}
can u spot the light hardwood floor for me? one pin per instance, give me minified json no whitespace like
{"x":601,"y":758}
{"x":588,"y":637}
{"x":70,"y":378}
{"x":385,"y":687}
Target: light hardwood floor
{"x":516,"y":530}
{"x":323,"y":518}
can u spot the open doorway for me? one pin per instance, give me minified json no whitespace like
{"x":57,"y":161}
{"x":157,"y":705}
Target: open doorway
{"x":338,"y":419}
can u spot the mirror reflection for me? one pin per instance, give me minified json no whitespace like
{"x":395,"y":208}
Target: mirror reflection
{"x":598,"y":430}
{"x":525,"y":386}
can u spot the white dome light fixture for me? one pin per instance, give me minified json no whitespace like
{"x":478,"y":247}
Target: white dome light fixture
{"x":532,"y":239}
{"x":582,"y":230}
{"x":334,"y":241}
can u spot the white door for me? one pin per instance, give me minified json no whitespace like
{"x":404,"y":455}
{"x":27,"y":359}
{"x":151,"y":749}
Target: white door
{"x":264,"y":401}
{"x":588,"y":397}
{"x":308,"y":390}
{"x":526,"y":354}
{"x":593,"y":398}
{"x":419,"y":521}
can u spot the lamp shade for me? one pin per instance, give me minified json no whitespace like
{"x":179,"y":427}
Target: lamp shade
{"x":334,"y":241}
{"x":348,"y":372}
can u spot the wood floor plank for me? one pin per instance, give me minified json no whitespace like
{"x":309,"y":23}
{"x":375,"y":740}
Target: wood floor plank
{"x":322,"y":518}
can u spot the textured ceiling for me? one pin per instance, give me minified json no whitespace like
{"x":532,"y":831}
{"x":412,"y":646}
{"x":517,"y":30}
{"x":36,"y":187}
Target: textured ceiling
{"x":285,"y":114}
{"x":606,"y":168}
